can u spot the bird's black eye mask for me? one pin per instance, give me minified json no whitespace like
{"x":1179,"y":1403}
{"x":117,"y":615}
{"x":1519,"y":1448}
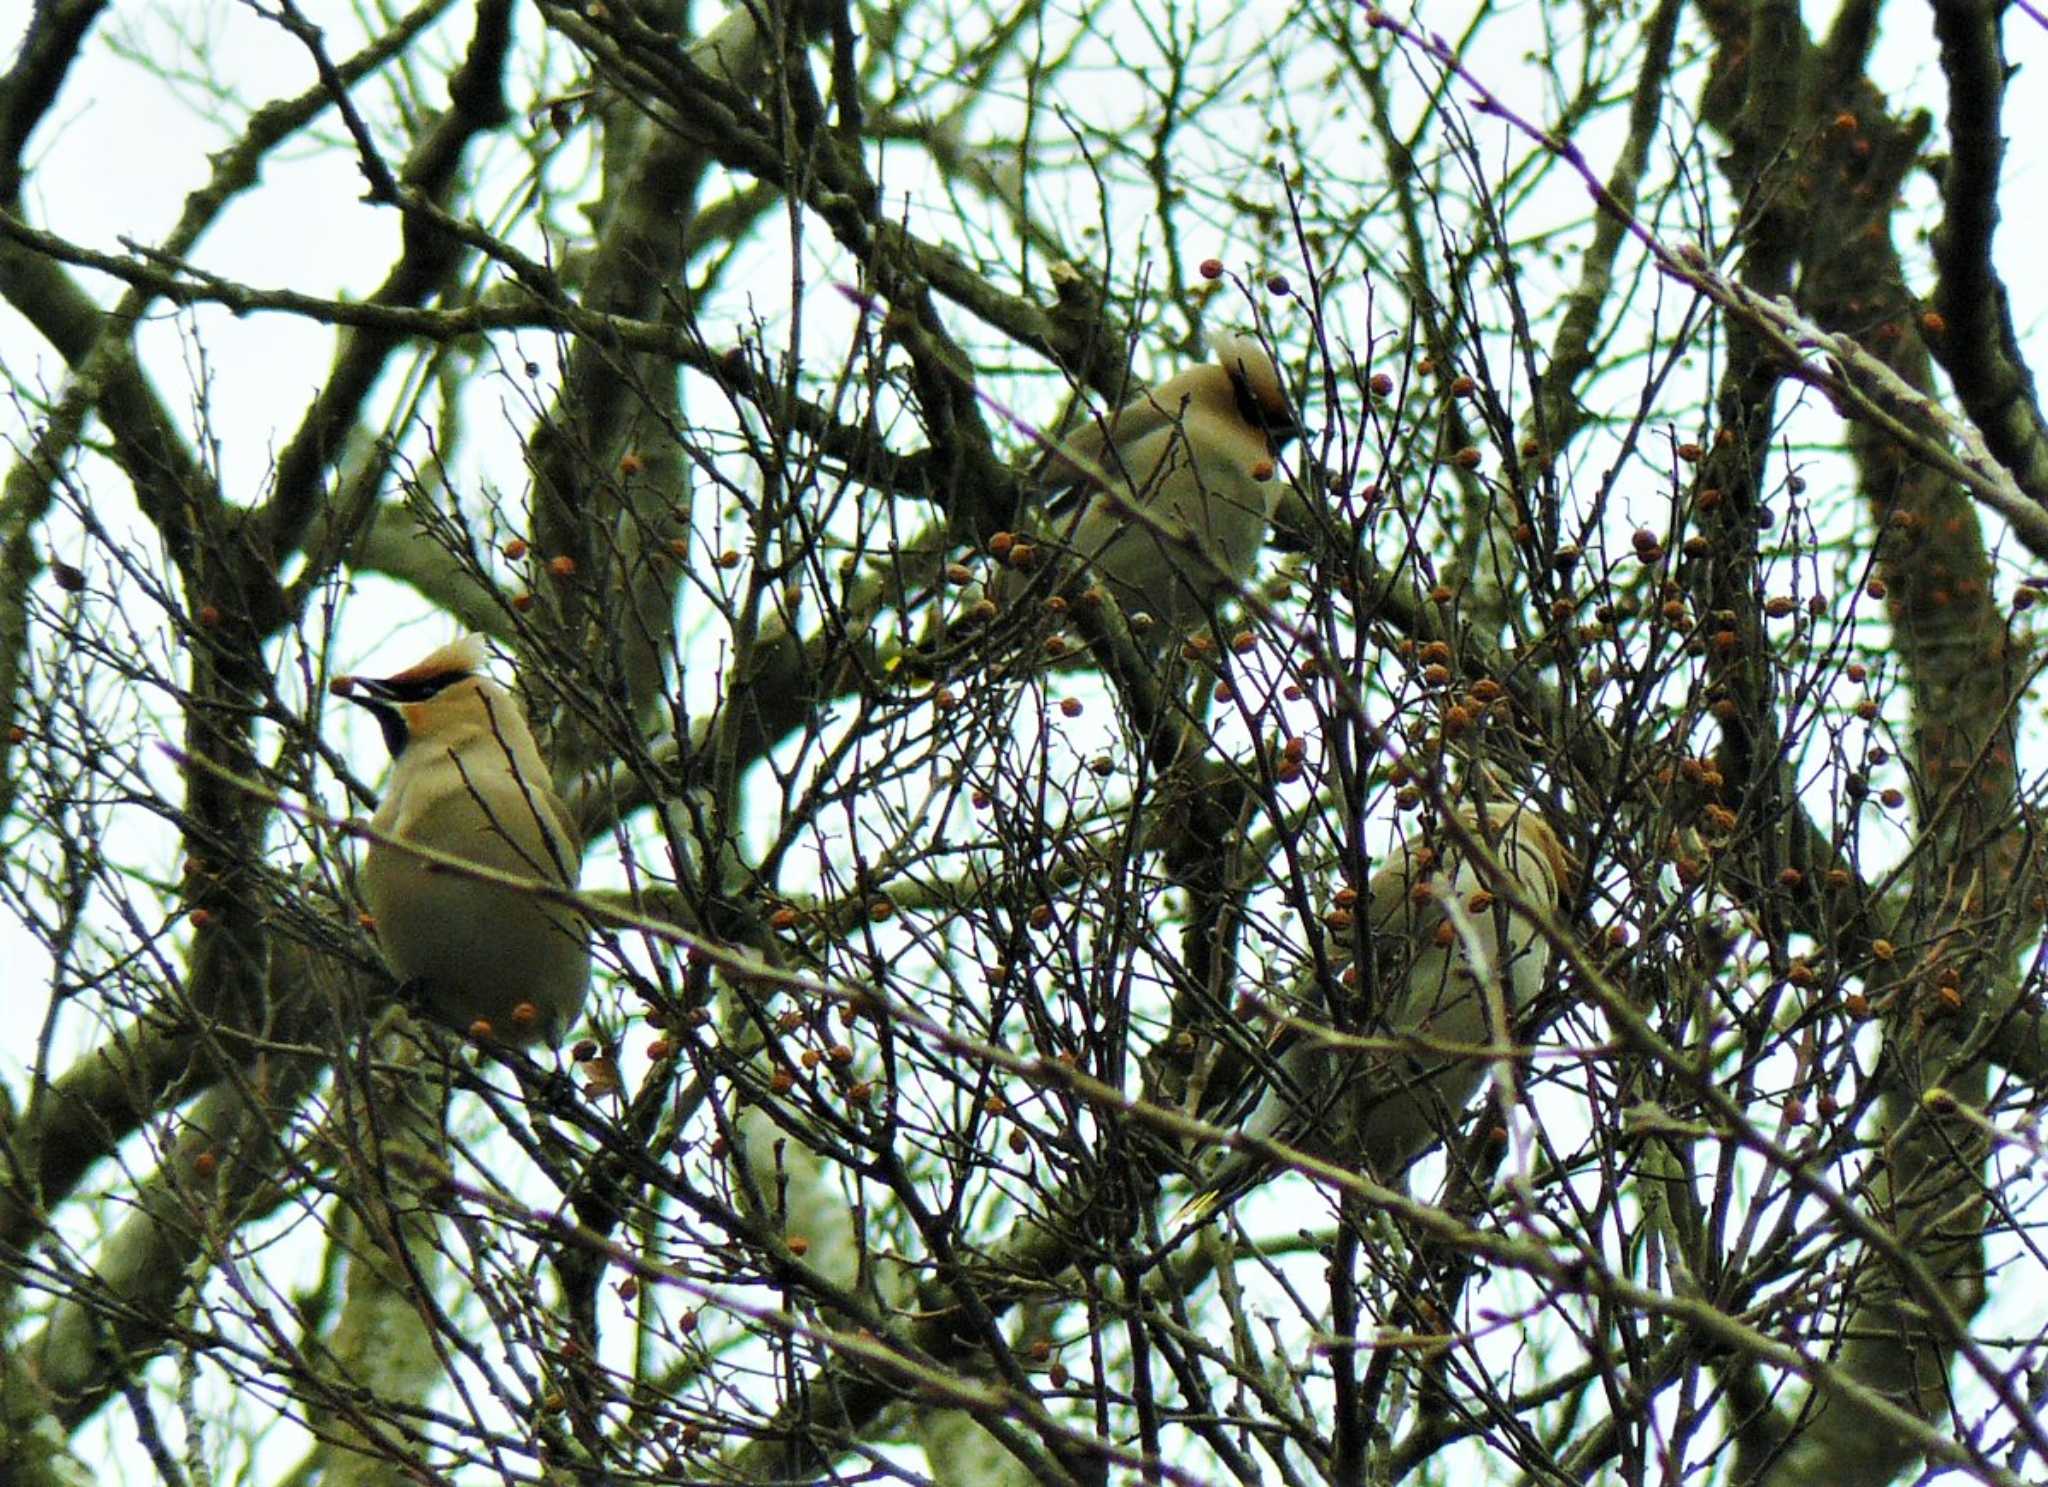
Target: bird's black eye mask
{"x":1278,"y":426}
{"x":412,"y":688}
{"x":383,"y":698}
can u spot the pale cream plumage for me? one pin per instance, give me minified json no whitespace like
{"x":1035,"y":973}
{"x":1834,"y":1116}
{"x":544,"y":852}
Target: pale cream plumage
{"x":468,"y":780}
{"x":1434,"y":923}
{"x":1199,"y":456}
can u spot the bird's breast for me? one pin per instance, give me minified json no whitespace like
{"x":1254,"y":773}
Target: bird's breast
{"x":478,"y":949}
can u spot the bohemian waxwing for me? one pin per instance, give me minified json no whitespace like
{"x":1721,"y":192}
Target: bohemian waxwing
{"x":1198,"y":455}
{"x":467,"y":780}
{"x":1435,"y":930}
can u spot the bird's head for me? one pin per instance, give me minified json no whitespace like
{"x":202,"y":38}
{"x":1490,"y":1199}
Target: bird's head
{"x":1526,"y":824}
{"x":1255,"y":384}
{"x":435,"y":696}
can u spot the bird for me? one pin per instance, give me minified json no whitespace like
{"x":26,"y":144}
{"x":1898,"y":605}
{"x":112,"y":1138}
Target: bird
{"x":1167,"y":501}
{"x":1434,"y":927}
{"x":467,"y":780}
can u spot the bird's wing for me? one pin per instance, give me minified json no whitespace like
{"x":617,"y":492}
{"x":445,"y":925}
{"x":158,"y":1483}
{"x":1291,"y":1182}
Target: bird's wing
{"x":1129,"y":446}
{"x":569,"y":836}
{"x":1088,"y":448}
{"x":1405,"y":914}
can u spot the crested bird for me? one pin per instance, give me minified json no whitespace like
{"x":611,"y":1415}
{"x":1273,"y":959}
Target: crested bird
{"x":467,"y":780}
{"x":1166,"y":502}
{"x":1446,"y":950}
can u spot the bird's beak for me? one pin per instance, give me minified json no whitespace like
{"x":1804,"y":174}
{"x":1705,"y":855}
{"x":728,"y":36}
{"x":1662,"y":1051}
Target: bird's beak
{"x":365,"y":691}
{"x":376,"y":698}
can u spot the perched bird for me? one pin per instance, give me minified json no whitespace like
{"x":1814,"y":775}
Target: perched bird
{"x":1438,"y":950}
{"x":1166,"y":502}
{"x":467,"y":780}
